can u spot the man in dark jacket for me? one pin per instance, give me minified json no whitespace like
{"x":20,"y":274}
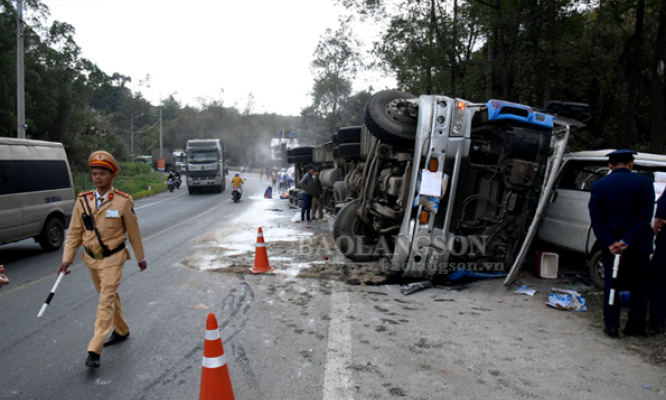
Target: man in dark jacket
{"x":306,"y":185}
{"x":621,"y":206}
{"x":317,"y":197}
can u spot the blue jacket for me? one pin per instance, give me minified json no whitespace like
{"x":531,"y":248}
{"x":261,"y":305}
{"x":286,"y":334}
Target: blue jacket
{"x":621,"y":206}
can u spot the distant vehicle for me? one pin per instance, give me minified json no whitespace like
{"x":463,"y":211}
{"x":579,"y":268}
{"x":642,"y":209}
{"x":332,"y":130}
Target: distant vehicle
{"x":36,"y":192}
{"x":205,"y":165}
{"x":279,"y":148}
{"x":166,"y":154}
{"x":566,"y":223}
{"x":179,"y":160}
{"x":144,"y":159}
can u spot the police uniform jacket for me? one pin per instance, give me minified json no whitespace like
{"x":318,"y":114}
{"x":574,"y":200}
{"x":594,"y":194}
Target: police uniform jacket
{"x":115,"y":220}
{"x":621,"y":207}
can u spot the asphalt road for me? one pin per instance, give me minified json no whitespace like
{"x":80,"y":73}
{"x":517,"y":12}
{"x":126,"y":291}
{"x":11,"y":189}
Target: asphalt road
{"x":43,"y":358}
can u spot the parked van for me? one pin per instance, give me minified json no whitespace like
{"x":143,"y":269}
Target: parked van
{"x":36,"y":192}
{"x":566,"y":223}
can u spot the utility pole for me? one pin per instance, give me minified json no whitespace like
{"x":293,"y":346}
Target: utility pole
{"x":161,"y":127}
{"x":132,"y":133}
{"x":20,"y":79}
{"x":131,"y":137}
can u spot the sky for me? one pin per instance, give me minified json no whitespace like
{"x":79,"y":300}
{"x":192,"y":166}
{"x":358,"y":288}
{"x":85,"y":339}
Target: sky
{"x":212,"y":49}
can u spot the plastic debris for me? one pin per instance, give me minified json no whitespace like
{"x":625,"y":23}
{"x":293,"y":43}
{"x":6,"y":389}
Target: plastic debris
{"x":525,"y":290}
{"x":415,"y":287}
{"x":566,"y":300}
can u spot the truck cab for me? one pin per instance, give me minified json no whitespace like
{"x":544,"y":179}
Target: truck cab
{"x":205,"y":165}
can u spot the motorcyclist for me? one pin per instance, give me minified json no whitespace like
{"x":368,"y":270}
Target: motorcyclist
{"x":238,"y":182}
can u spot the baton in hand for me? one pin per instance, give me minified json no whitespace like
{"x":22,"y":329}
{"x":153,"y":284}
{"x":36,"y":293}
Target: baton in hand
{"x":616,"y":268}
{"x":48,"y":299}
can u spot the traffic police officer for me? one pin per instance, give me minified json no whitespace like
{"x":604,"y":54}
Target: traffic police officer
{"x":621,"y":206}
{"x":101,"y":222}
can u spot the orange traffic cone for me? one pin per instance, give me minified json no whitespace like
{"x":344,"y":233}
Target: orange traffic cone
{"x":215,"y":381}
{"x":261,"y":264}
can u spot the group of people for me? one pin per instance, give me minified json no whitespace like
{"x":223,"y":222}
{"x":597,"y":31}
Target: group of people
{"x":281,"y":180}
{"x":313,"y":195}
{"x":621,"y":209}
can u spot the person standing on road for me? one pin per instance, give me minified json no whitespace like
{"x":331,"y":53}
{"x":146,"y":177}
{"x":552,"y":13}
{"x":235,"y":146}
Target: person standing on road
{"x":306,"y":185}
{"x":621,"y":206}
{"x":317,"y":196}
{"x":274,"y":178}
{"x":102,"y":221}
{"x":657,"y":299}
{"x":283,"y":181}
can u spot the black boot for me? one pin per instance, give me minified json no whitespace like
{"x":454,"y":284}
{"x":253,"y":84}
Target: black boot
{"x":93,"y":360}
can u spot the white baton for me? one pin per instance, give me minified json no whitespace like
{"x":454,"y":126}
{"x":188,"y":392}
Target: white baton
{"x":48,"y":299}
{"x":616,"y":265}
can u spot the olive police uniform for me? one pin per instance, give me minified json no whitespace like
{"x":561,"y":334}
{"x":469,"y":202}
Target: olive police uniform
{"x":621,"y":206}
{"x":115,"y":220}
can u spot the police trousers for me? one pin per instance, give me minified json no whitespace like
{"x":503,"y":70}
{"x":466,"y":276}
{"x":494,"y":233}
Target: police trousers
{"x":109,"y":308}
{"x":634,"y":277}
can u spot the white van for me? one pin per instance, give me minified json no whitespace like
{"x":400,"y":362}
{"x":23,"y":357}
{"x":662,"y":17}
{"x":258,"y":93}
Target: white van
{"x":567,"y":222}
{"x":36,"y":192}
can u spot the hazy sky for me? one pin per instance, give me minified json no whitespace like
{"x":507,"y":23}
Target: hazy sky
{"x":213,"y":49}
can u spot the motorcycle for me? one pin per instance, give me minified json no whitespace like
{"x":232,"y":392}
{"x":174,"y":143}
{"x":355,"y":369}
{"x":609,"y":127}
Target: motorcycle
{"x":177,"y":183}
{"x":171,"y":184}
{"x":236,"y":194}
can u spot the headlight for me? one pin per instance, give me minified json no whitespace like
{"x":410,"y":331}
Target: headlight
{"x":458,"y":119}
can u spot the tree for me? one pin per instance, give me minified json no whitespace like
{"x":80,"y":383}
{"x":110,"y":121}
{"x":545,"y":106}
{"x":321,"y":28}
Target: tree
{"x":337,"y":60}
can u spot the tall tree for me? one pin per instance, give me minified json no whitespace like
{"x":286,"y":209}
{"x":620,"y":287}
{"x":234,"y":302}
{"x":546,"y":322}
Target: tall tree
{"x":337,"y":60}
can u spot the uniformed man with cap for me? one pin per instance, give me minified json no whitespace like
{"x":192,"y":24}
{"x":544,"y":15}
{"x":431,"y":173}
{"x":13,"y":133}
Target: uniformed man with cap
{"x":102,"y":221}
{"x":621,"y":207}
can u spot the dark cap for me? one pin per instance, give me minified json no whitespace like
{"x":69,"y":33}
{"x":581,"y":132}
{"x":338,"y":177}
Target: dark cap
{"x":621,"y":156}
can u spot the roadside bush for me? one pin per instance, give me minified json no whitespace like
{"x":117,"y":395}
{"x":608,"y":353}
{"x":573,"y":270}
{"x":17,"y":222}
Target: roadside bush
{"x":134,"y":179}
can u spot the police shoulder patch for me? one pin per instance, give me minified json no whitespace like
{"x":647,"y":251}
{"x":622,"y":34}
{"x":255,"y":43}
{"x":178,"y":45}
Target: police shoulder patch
{"x":126,"y":195}
{"x":83,"y":194}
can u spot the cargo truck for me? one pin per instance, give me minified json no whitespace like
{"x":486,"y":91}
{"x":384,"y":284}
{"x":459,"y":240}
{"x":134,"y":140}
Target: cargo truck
{"x":205,"y":165}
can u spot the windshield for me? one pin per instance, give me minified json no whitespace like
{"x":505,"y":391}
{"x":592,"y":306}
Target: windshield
{"x":208,"y":156}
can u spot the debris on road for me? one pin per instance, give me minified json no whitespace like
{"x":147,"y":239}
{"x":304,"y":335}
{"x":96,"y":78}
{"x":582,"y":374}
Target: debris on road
{"x":566,"y":300}
{"x":415,"y":286}
{"x":525,"y":290}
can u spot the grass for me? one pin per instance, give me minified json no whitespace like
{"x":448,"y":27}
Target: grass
{"x":134,"y":178}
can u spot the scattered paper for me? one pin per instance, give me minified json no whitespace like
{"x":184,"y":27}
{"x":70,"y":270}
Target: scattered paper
{"x":201,"y":306}
{"x":566,"y":300}
{"x":525,"y":290}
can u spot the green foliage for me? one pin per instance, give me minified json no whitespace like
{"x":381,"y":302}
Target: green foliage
{"x":529,"y":52}
{"x":134,"y":179}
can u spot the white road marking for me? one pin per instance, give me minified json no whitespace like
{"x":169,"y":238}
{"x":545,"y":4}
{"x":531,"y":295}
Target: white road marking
{"x":337,"y":379}
{"x":158,"y":202}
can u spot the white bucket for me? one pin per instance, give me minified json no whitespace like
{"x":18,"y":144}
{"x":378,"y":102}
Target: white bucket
{"x":548,"y":265}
